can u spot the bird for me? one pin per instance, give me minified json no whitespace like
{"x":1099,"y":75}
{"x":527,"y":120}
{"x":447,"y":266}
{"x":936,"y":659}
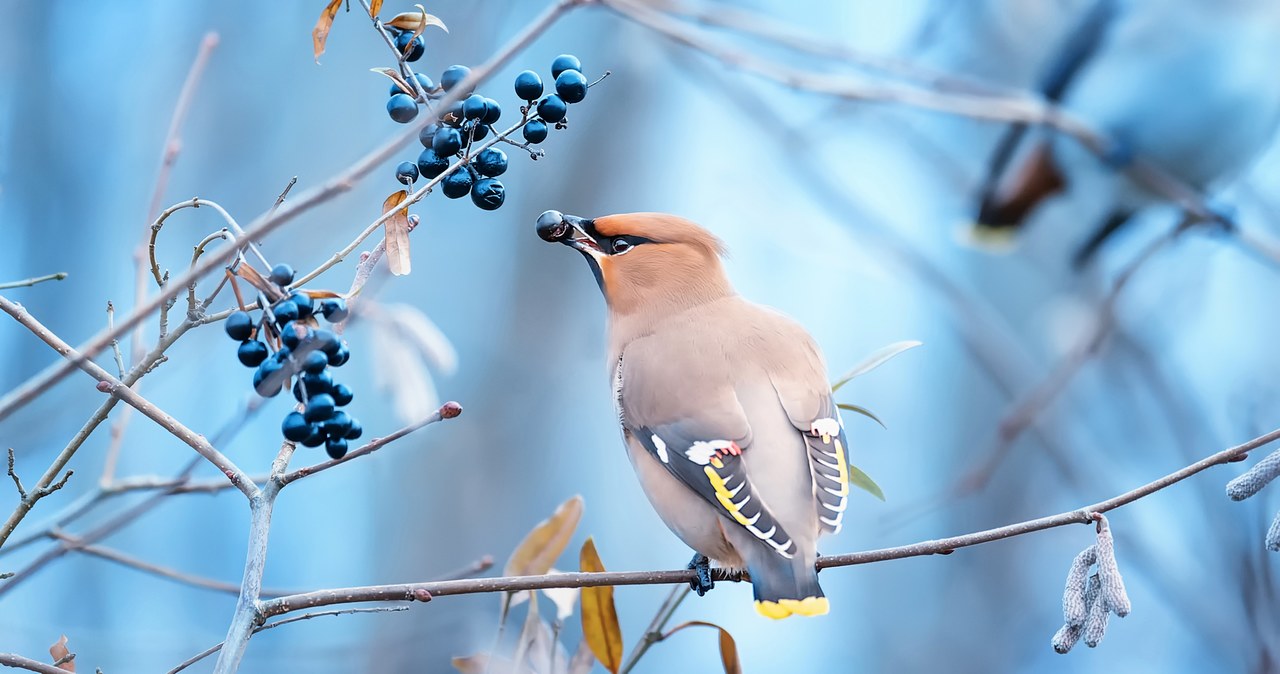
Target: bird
{"x":724,"y":406}
{"x":1187,"y":86}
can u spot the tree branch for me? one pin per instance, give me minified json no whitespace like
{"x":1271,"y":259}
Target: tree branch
{"x":33,"y":280}
{"x":19,"y":662}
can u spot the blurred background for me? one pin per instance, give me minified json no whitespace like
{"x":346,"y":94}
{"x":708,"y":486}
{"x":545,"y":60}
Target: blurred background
{"x":853,"y":216}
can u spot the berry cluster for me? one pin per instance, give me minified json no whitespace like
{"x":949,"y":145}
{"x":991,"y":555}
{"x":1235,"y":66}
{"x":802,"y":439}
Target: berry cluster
{"x":303,"y":353}
{"x":471,"y":120}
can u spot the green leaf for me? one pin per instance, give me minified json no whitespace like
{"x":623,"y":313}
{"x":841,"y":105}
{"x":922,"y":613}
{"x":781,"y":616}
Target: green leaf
{"x":876,"y":359}
{"x":863,"y":411}
{"x":864,"y":482}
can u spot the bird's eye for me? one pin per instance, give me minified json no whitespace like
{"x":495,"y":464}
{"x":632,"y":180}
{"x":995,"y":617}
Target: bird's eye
{"x":621,"y":246}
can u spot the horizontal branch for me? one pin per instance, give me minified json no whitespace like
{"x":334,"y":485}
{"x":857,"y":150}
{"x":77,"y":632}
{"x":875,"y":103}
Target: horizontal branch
{"x":19,"y":662}
{"x":33,"y":280}
{"x":429,"y":590}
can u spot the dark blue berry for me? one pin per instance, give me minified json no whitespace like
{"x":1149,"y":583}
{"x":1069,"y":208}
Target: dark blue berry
{"x":334,"y":309}
{"x":571,"y":86}
{"x":452,"y":115}
{"x":492,"y":162}
{"x":407,"y":172}
{"x":267,"y":380}
{"x":565,"y":62}
{"x":552,"y":108}
{"x":410,"y":47}
{"x":336,"y":448}
{"x":535,"y":131}
{"x":488,"y":193}
{"x":293,"y":334}
{"x":402,"y":108}
{"x":316,"y":438}
{"x":239,"y":326}
{"x":252,"y":352}
{"x":426,"y":134}
{"x":295,"y":427}
{"x":476,"y":131}
{"x":492,"y":112}
{"x":473,"y":107}
{"x":356,"y":430}
{"x":457,"y":184}
{"x":317,"y":382}
{"x":446,"y":142}
{"x":431,"y":164}
{"x":281,"y":274}
{"x":340,"y":357}
{"x":452,"y":76}
{"x":424,"y":82}
{"x":306,"y":306}
{"x":315,"y":362}
{"x":326,"y":341}
{"x":319,"y":407}
{"x":528,"y":86}
{"x":339,"y":425}
{"x":284,"y":311}
{"x":342,"y":394}
{"x":282,"y":355}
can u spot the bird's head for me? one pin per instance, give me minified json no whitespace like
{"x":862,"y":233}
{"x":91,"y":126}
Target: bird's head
{"x":643,"y":259}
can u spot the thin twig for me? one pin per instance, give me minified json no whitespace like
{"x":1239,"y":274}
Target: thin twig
{"x":33,"y":280}
{"x":19,"y":662}
{"x":653,"y":633}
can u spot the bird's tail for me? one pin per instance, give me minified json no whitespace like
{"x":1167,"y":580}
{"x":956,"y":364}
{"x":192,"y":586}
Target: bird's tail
{"x":785,"y":587}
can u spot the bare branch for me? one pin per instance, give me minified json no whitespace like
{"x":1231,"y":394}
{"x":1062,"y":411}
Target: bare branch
{"x":33,"y":280}
{"x":19,"y":662}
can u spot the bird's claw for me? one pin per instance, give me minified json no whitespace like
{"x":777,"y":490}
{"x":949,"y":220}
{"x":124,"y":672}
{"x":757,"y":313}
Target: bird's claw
{"x":702,"y":565}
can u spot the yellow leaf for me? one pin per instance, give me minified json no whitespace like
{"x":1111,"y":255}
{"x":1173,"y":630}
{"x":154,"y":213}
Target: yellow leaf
{"x":397,"y":234}
{"x":599,"y":616}
{"x":321,"y":32}
{"x":395,"y":77}
{"x":59,"y":651}
{"x":416,"y":21}
{"x":728,"y":648}
{"x":543,"y":545}
{"x":375,"y":6}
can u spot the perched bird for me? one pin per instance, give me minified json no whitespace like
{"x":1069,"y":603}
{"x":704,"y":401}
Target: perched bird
{"x":724,"y":405}
{"x":1188,"y":86}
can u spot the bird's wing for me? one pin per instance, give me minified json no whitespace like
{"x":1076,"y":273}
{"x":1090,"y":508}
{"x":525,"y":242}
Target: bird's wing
{"x":701,"y":447}
{"x":814,"y":414}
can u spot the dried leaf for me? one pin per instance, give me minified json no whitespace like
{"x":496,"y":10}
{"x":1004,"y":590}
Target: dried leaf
{"x":543,"y":545}
{"x":529,"y":633}
{"x":599,"y":616}
{"x":259,"y":282}
{"x":397,"y":233}
{"x":582,"y":660}
{"x":400,"y":82}
{"x":876,"y":359}
{"x":375,"y":6}
{"x":864,"y":482}
{"x":728,"y":647}
{"x":320,"y":294}
{"x":565,"y":598}
{"x":58,"y":651}
{"x":416,"y":21}
{"x":321,"y":32}
{"x":483,"y":663}
{"x":863,"y":411}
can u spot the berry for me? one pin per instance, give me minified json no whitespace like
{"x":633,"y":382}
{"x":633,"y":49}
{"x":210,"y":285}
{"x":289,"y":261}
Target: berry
{"x":552,"y":108}
{"x":335,"y":447}
{"x":492,"y":112}
{"x":431,"y":164}
{"x":409,"y":46}
{"x":528,"y":86}
{"x":292,"y":335}
{"x":424,"y":81}
{"x":326,"y":341}
{"x":295,"y":427}
{"x":407,"y":172}
{"x":342,"y":394}
{"x":457,"y":185}
{"x":473,"y":107}
{"x":284,"y":311}
{"x":319,"y":407}
{"x":334,"y":310}
{"x":571,"y":86}
{"x":488,"y":194}
{"x":317,"y":382}
{"x":356,"y":430}
{"x":305,"y":305}
{"x":252,"y":352}
{"x":315,"y":362}
{"x":266,"y":379}
{"x":565,"y":62}
{"x":476,"y":131}
{"x":492,"y":162}
{"x":452,"y":76}
{"x":446,"y":142}
{"x":239,"y":326}
{"x":452,"y":115}
{"x":402,"y":108}
{"x":427,"y":133}
{"x":316,"y":438}
{"x":282,"y":355}
{"x":281,"y":274}
{"x":535,"y":131}
{"x":340,"y":357}
{"x":339,"y":425}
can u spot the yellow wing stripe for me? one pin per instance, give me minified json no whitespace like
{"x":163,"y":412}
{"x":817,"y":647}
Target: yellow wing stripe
{"x":844,"y":468}
{"x":724,"y":497}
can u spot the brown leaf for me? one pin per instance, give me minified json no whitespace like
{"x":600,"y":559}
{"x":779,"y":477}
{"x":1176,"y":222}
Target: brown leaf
{"x":58,"y":651}
{"x":395,"y":77}
{"x":416,"y":21}
{"x":321,"y":32}
{"x":599,"y":616}
{"x":321,"y":294}
{"x":483,"y":663}
{"x":397,"y":234}
{"x":728,"y":648}
{"x":543,"y":545}
{"x":375,"y":6}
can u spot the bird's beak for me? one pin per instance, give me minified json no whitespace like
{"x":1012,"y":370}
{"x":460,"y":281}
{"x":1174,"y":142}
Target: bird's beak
{"x":556,"y":227}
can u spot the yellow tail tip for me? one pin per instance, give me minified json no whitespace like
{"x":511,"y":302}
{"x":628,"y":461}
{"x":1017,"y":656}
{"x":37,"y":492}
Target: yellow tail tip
{"x":809,"y":606}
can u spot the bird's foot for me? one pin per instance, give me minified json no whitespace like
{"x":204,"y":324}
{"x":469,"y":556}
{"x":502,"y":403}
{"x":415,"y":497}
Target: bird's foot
{"x":702,"y":565}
